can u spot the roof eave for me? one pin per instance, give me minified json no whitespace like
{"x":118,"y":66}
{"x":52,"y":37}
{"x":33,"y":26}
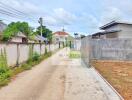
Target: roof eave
{"x":113,"y":23}
{"x":106,"y":32}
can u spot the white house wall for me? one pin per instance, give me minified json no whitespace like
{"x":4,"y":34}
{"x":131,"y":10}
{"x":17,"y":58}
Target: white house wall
{"x":115,"y":27}
{"x":16,"y":39}
{"x":112,"y":35}
{"x":62,"y":38}
{"x":126,"y":31}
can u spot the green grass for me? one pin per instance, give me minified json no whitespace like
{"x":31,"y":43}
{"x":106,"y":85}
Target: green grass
{"x":74,"y":54}
{"x":5,"y":72}
{"x":30,"y":63}
{"x":5,"y":77}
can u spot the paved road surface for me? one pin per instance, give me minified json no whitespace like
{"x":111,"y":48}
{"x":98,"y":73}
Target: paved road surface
{"x":57,"y":78}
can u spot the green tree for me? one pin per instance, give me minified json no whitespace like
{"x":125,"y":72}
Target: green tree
{"x":47,"y":33}
{"x":15,"y":27}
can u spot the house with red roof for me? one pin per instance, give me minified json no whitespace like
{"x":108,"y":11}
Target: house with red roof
{"x":60,"y":36}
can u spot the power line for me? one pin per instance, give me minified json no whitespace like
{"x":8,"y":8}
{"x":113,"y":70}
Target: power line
{"x":11,"y":8}
{"x":9,"y":14}
{"x":12,"y":12}
{"x":5,"y":19}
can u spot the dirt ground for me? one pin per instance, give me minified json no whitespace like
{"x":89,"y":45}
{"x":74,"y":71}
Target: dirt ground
{"x":118,"y":74}
{"x":43,"y":82}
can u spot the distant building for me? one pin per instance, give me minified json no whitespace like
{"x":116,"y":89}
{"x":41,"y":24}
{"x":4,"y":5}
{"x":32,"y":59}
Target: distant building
{"x":39,"y":38}
{"x":77,"y":43}
{"x":20,"y":38}
{"x":2,"y":28}
{"x":114,"y":29}
{"x":60,"y":36}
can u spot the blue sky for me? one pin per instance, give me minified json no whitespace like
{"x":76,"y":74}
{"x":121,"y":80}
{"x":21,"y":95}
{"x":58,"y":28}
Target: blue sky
{"x":82,"y":16}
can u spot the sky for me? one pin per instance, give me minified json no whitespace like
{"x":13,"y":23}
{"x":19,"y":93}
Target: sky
{"x":76,"y":16}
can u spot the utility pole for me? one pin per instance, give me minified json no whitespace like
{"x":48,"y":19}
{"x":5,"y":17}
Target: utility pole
{"x":76,"y":35}
{"x":41,"y":24}
{"x":63,"y":29}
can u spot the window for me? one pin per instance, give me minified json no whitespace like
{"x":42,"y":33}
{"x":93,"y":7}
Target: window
{"x":57,"y":39}
{"x":24,"y":40}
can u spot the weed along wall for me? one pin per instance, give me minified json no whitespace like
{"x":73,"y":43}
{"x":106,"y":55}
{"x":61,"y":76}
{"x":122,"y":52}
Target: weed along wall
{"x":17,"y":53}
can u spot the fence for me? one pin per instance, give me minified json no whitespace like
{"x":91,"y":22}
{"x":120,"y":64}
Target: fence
{"x":19,"y":52}
{"x":106,"y":49}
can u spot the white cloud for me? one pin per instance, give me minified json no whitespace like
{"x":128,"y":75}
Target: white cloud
{"x":110,"y":14}
{"x":59,"y":17}
{"x":30,"y":11}
{"x":123,"y":5}
{"x":49,"y":20}
{"x":113,"y":13}
{"x":63,"y":16}
{"x":74,"y":19}
{"x":23,"y":6}
{"x":118,"y":8}
{"x":88,"y":20}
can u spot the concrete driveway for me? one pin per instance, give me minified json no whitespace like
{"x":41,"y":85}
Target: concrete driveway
{"x":57,"y":78}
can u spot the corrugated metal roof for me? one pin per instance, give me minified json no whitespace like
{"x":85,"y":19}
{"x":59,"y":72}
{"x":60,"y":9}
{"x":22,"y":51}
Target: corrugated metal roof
{"x":40,"y":38}
{"x":106,"y":32}
{"x":114,"y":23}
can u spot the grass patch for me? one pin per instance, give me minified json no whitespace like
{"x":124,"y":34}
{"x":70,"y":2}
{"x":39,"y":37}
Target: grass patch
{"x":5,"y":72}
{"x":5,"y":77}
{"x":74,"y":54}
{"x":30,"y":63}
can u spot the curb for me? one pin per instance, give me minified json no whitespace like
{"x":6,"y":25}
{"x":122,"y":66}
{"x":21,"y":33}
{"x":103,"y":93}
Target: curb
{"x":121,"y":98}
{"x":108,"y":84}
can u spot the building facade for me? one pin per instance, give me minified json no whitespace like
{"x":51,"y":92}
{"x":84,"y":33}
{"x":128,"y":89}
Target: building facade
{"x":114,"y":30}
{"x":60,"y":36}
{"x":19,"y":38}
{"x":2,"y":28}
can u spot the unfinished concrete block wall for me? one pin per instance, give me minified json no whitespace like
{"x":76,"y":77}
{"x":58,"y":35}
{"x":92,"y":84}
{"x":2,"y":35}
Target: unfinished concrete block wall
{"x":106,"y":49}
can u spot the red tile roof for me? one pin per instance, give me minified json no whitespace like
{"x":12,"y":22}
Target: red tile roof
{"x":61,"y":33}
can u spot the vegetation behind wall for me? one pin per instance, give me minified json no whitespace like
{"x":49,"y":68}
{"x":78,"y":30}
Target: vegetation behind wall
{"x":15,"y":27}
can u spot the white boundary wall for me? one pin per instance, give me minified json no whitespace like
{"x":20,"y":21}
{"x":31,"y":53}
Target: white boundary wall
{"x":20,"y":52}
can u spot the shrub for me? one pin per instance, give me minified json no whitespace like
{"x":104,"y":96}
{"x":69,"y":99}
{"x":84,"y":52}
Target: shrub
{"x":5,"y":72}
{"x":35,"y":56}
{"x":46,"y":50}
{"x":3,"y":59}
{"x":17,"y":70}
{"x":30,"y":52}
{"x":63,"y":44}
{"x":26,"y":66}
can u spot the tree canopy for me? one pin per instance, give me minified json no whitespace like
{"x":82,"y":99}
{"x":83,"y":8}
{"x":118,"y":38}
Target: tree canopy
{"x":47,"y":33}
{"x":15,"y":27}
